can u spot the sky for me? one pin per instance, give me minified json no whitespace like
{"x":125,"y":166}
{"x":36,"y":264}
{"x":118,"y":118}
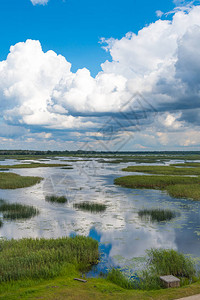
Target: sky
{"x":100,"y":75}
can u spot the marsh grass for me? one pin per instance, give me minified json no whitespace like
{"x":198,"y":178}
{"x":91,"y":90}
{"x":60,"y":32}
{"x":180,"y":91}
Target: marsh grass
{"x":57,"y":199}
{"x":170,"y":262}
{"x":158,"y":262}
{"x":166,"y":262}
{"x":67,"y":168}
{"x":45,"y":258}
{"x":191,"y":191}
{"x":187,"y":164}
{"x":33,"y":165}
{"x":117,"y":277}
{"x":176,"y":186}
{"x":16,"y":211}
{"x":91,"y":206}
{"x":145,"y":160}
{"x":157,"y":214}
{"x":154,"y":182}
{"x":163,"y":170}
{"x":15,"y":181}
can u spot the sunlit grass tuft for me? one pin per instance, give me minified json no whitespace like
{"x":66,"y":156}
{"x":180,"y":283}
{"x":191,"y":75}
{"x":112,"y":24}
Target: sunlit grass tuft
{"x":117,"y":277}
{"x":170,"y":262}
{"x":158,"y":262}
{"x":57,"y":199}
{"x":16,"y":211}
{"x":91,"y":206}
{"x":157,"y":214}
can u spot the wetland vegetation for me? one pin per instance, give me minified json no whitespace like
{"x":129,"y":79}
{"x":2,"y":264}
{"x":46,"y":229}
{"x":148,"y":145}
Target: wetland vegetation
{"x":164,"y":170}
{"x":187,"y":164}
{"x":15,"y":181}
{"x":154,"y":182}
{"x":158,"y":262}
{"x":46,"y":268}
{"x":33,"y":165}
{"x":191,"y":191}
{"x":169,"y":261}
{"x":57,"y":199}
{"x":16,"y":211}
{"x":157,"y":214}
{"x":176,"y":186}
{"x":45,"y":258}
{"x":91,"y":206}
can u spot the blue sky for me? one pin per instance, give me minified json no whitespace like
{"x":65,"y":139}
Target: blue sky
{"x":60,"y":88}
{"x":73,"y":28}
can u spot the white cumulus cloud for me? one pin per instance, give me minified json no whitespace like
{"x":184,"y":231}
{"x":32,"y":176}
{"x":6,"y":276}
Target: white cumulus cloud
{"x":161,"y":64}
{"x":159,"y":13}
{"x":41,"y":2}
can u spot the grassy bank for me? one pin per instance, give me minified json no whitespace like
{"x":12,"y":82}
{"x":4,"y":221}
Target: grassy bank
{"x":137,"y":160}
{"x":184,"y":191}
{"x":65,"y":287}
{"x":176,"y":186}
{"x":187,"y":164}
{"x":15,"y":181}
{"x":163,"y":170}
{"x":154,"y":182}
{"x":33,"y":165}
{"x":158,"y":262}
{"x":29,"y":258}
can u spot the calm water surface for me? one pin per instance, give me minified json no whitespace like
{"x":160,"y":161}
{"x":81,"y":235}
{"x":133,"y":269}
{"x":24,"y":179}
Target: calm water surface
{"x":123,"y":236}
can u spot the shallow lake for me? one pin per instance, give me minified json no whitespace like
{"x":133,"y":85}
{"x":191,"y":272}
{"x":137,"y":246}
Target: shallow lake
{"x":123,"y":236}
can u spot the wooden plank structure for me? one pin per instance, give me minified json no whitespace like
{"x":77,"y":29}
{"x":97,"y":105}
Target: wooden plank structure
{"x":170,"y":281}
{"x":81,"y":280}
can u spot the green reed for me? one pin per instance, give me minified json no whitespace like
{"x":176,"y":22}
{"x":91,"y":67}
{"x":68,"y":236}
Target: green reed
{"x":45,"y":258}
{"x":91,"y":206}
{"x":57,"y":199}
{"x":16,"y":211}
{"x":15,"y":181}
{"x":157,"y":214}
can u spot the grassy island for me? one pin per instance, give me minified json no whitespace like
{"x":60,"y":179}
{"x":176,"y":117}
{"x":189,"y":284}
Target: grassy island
{"x":15,"y":181}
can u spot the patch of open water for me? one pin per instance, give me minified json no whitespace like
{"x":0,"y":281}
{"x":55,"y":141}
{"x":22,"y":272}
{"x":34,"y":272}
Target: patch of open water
{"x":122,"y":235}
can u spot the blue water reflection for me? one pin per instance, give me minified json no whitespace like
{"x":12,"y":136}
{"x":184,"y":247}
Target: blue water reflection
{"x":122,"y":235}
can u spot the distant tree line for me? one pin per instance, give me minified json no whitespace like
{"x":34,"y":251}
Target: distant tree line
{"x":78,"y":152}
